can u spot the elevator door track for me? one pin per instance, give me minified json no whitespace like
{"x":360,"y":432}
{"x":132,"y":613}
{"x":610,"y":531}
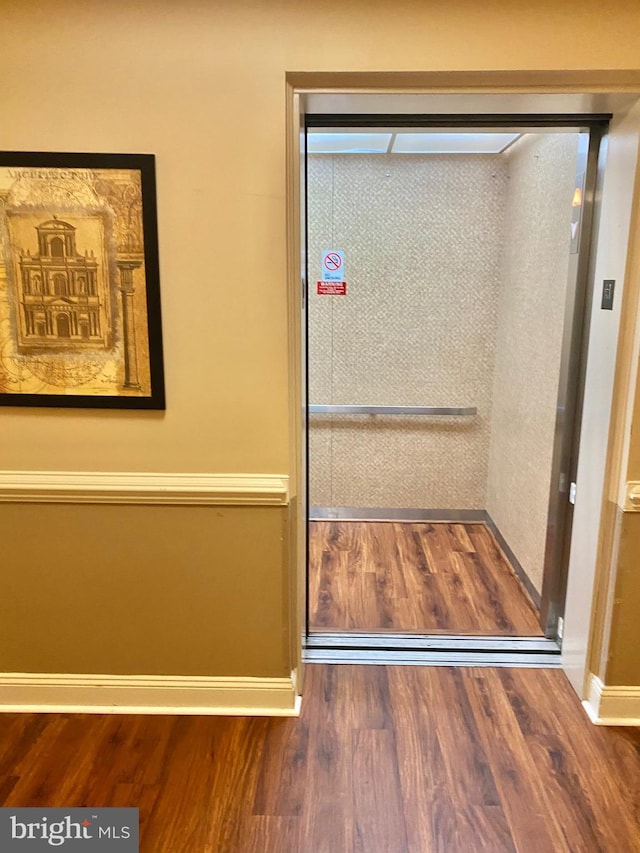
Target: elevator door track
{"x":431,"y":650}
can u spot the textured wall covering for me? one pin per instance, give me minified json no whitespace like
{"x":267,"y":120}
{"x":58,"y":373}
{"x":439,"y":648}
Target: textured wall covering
{"x":456,"y":271}
{"x":530,"y":324}
{"x":422,"y":237}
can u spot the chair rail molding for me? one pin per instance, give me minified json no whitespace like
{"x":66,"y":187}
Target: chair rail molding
{"x":632,"y":497}
{"x":106,"y":487}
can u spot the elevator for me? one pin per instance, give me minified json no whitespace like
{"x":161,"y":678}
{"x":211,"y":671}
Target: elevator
{"x":447,"y":293}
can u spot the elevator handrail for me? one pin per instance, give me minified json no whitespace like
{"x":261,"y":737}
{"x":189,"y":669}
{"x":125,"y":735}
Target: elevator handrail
{"x":440,"y":411}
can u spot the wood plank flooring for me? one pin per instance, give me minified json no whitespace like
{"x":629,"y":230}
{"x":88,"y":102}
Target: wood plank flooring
{"x":382,"y":760}
{"x":415,"y":578}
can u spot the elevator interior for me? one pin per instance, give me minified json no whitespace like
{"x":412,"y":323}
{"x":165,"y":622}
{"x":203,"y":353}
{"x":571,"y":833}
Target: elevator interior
{"x":440,"y":382}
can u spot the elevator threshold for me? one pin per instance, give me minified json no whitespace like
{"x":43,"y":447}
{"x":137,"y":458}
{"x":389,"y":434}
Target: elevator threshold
{"x":431,"y":650}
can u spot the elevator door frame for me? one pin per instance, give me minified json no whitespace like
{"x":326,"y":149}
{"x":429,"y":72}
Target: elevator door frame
{"x":592,"y":568}
{"x":575,"y":333}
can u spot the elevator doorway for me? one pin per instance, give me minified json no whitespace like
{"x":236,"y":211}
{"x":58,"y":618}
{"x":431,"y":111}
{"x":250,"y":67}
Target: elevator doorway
{"x":444,"y":372}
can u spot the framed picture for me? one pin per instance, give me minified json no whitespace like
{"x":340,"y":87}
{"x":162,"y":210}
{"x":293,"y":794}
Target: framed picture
{"x":80,"y":317}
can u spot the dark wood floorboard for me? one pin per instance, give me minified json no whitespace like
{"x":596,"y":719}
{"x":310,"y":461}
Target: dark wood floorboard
{"x":414,"y":577}
{"x":382,"y":760}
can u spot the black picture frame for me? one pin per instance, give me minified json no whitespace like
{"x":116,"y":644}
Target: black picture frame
{"x":80,"y":316}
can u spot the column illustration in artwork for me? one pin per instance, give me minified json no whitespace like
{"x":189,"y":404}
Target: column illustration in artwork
{"x":127,"y":289}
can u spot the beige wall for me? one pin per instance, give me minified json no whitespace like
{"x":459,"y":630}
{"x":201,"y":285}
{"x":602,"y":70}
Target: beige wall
{"x":633,"y":467}
{"x":422,"y":237}
{"x":542,"y":172}
{"x":202,"y":85}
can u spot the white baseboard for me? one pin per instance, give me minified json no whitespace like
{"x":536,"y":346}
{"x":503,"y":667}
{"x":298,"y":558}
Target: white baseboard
{"x":112,"y":487}
{"x":148,"y":694}
{"x":613,"y":705}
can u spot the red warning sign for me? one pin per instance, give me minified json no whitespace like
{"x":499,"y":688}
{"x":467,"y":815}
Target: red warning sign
{"x":332,"y":288}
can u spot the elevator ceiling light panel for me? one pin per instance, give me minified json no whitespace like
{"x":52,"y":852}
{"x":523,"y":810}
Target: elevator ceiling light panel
{"x":452,"y":143}
{"x":365,"y":141}
{"x":348,"y":143}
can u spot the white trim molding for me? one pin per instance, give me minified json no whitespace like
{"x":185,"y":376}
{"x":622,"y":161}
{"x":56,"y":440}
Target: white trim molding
{"x":612,"y":705}
{"x":148,"y":694}
{"x":105,"y":487}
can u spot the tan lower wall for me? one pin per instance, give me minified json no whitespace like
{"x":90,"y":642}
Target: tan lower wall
{"x":623,"y":665}
{"x":143,"y":590}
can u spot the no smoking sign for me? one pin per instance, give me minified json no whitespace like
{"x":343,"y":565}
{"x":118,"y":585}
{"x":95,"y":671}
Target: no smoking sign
{"x":333,"y":265}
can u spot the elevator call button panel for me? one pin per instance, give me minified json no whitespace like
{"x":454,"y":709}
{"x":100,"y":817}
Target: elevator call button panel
{"x":608,"y":286}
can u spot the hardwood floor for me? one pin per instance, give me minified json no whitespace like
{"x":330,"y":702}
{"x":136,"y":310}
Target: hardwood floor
{"x":382,"y":760}
{"x":415,"y":578}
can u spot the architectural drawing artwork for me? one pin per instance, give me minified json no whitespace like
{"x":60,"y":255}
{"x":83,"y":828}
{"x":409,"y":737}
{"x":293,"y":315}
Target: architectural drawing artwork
{"x":62,"y":298}
{"x":73,"y":303}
